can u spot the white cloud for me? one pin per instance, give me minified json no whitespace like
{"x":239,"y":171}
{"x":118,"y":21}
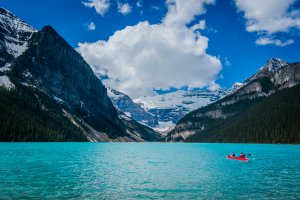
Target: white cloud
{"x":147,"y":56}
{"x":124,"y":8}
{"x":91,"y":26}
{"x":266,"y":41}
{"x":101,"y":6}
{"x":181,"y":12}
{"x":269,"y":17}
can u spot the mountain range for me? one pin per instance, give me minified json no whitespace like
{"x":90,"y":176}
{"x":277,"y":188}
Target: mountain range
{"x":163,"y":111}
{"x":49,"y":93}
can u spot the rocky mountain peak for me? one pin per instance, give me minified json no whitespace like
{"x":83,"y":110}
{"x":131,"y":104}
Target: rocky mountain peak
{"x":275,"y":63}
{"x":3,"y":11}
{"x":49,"y":29}
{"x":14,"y":34}
{"x":271,"y":66}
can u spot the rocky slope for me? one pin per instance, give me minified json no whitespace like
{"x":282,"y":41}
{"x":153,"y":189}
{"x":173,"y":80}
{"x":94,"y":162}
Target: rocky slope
{"x":61,"y":85}
{"x":263,"y":109}
{"x":125,"y":104}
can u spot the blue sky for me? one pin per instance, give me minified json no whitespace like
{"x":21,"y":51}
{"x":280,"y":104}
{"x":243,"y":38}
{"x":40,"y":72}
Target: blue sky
{"x":226,"y":28}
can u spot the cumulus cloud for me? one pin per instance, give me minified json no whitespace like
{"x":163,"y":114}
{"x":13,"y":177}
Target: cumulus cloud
{"x":91,"y":26}
{"x":144,"y":57}
{"x":101,"y":6}
{"x":124,"y":8}
{"x":269,"y":17}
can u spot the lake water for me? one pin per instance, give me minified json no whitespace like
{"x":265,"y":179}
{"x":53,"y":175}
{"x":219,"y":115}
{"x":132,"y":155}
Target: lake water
{"x":147,"y":171}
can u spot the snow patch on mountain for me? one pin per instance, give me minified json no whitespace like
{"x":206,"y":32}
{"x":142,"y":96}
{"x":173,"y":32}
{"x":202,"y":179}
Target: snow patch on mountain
{"x":6,"y":68}
{"x":5,"y":82}
{"x":164,"y":127}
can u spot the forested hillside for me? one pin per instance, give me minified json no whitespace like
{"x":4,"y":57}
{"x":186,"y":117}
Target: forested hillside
{"x":275,"y":119}
{"x":28,"y":115}
{"x":264,"y":109}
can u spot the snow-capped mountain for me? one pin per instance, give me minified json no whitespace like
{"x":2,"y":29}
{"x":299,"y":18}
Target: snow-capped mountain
{"x":14,"y":33}
{"x":171,"y":107}
{"x":162,"y":112}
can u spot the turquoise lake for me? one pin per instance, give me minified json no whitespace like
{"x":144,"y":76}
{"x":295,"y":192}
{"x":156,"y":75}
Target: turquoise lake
{"x":147,"y":171}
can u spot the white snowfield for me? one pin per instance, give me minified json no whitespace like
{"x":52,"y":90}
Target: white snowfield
{"x":190,"y":100}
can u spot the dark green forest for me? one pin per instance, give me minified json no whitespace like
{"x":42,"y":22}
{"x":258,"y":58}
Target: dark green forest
{"x":27,"y":114}
{"x":273,"y":119}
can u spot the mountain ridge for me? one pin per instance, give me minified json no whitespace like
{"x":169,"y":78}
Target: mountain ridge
{"x":269,"y":84}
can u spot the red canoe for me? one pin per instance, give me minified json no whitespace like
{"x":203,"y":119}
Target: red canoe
{"x":237,"y":158}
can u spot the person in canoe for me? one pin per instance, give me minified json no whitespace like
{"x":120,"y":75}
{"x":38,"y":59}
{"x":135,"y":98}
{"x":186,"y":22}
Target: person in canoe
{"x":242,"y":155}
{"x":232,"y":154}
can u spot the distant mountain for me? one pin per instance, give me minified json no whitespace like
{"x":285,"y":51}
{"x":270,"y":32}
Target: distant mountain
{"x":49,"y":93}
{"x":234,"y":87}
{"x":162,"y":112}
{"x":171,"y":107}
{"x":264,"y":109}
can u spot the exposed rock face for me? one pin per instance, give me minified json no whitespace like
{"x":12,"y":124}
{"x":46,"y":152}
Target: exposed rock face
{"x":125,"y":104}
{"x":275,"y":76}
{"x":54,"y":67}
